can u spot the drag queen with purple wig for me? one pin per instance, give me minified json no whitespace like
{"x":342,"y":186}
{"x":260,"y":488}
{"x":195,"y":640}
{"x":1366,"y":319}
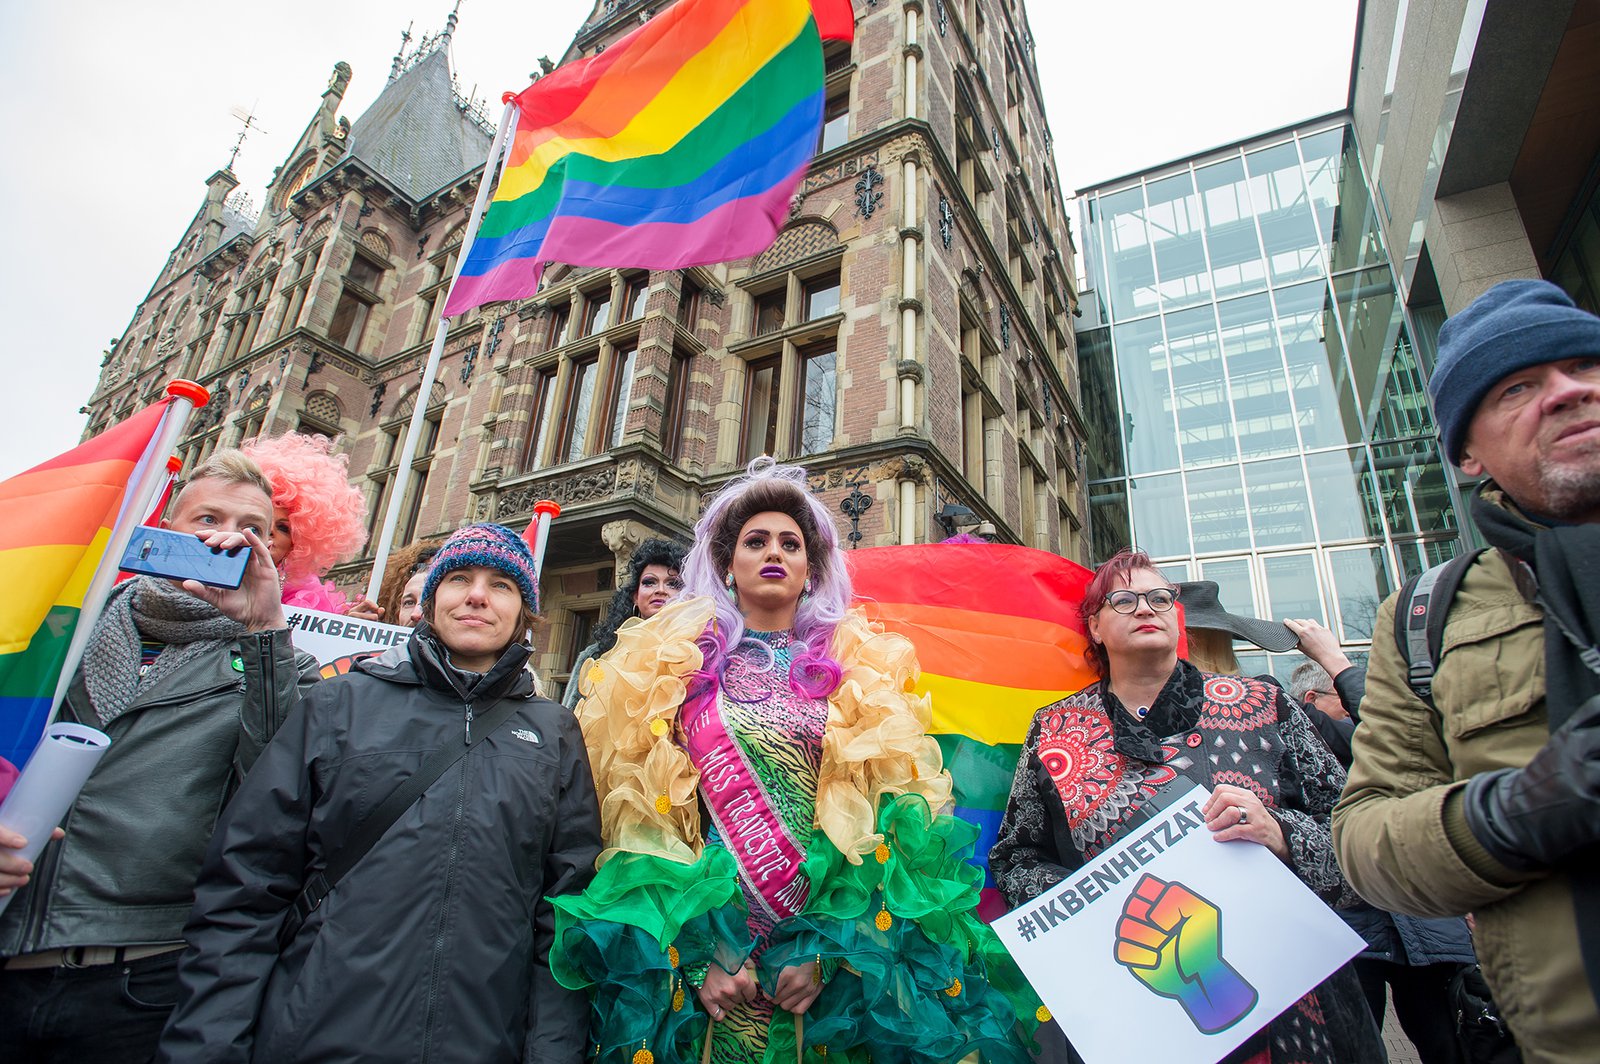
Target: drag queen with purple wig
{"x":781,"y":876}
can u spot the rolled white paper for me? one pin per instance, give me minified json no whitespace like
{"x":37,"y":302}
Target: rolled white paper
{"x":49,"y":785}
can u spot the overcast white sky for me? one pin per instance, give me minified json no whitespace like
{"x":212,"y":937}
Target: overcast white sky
{"x":112,"y":115}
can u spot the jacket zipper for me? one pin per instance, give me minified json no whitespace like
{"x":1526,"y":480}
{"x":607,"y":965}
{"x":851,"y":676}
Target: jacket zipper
{"x":437,"y":961}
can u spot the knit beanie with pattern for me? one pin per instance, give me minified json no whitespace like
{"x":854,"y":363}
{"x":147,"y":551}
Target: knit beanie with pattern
{"x":494,"y":546}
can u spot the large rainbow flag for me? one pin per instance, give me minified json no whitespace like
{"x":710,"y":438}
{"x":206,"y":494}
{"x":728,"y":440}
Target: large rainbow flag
{"x":997,"y":634}
{"x":678,"y":145}
{"x":55,"y":521}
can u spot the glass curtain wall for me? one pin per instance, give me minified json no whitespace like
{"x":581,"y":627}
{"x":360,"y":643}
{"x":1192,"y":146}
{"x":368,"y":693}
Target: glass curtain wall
{"x":1261,"y":413}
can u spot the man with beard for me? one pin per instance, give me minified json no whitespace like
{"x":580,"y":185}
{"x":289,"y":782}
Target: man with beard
{"x":1483,"y":795}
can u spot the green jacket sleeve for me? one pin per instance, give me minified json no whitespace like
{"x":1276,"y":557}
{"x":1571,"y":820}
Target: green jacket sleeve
{"x":1398,"y":830}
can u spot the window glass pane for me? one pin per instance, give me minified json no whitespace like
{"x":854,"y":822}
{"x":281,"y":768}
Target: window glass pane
{"x":1412,"y":484}
{"x":822,"y":297}
{"x":1344,"y":496}
{"x":1158,"y":521}
{"x":545,"y":406}
{"x":761,"y":409}
{"x":1099,"y":390}
{"x":1262,"y":416}
{"x":1174,"y":221}
{"x":1405,"y":411}
{"x":558,"y":327}
{"x":599,"y":315}
{"x":1235,"y":585}
{"x":634,"y":299}
{"x":816,"y":417}
{"x":1372,"y":325}
{"x":1236,"y":263}
{"x":1129,"y":268}
{"x":1278,"y":507}
{"x":364,"y":274}
{"x":835,"y":123}
{"x":1148,"y":429}
{"x":1292,"y":587}
{"x":1360,"y":583}
{"x":1345,"y":219}
{"x":579,"y":409}
{"x":623,"y":392}
{"x":1108,"y":520}
{"x":1216,"y":510}
{"x":769,"y":312}
{"x":1204,"y":424}
{"x":1288,"y":229}
{"x":1317,"y":376}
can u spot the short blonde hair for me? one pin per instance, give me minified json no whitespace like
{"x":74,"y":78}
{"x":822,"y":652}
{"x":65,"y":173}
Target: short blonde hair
{"x":231,"y":466}
{"x":1211,"y":650}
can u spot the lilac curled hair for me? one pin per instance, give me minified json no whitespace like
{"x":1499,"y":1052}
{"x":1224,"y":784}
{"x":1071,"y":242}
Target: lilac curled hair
{"x":768,"y":486}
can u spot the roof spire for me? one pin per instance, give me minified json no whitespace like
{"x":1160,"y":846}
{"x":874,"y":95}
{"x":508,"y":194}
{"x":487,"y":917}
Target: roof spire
{"x":248,"y":122}
{"x":400,"y":56}
{"x":450,"y":24}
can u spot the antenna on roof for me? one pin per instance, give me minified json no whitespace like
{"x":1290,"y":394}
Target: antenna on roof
{"x":400,"y":56}
{"x":248,"y":120}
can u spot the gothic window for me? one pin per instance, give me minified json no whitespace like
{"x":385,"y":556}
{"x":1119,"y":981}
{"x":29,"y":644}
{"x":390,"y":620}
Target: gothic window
{"x":385,"y":473}
{"x":350,"y":315}
{"x":838,"y":70}
{"x":539,"y":424}
{"x":791,"y":375}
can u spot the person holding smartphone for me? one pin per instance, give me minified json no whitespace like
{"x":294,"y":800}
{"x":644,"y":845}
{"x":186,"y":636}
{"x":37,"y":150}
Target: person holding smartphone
{"x":190,"y":682}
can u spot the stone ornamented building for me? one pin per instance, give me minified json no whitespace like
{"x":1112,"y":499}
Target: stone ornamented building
{"x":907,"y":337}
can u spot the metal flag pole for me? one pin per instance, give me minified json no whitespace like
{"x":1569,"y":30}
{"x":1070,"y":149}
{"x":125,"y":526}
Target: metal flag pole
{"x":408,"y":449}
{"x":149,"y":479}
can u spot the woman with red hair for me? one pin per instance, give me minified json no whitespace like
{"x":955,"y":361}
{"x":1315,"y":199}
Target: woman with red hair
{"x":318,"y":519}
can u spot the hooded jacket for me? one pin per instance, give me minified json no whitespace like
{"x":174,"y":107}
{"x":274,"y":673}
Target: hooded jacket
{"x":435,"y":946}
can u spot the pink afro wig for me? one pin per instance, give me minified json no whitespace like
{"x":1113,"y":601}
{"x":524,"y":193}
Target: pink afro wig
{"x":310,"y":483}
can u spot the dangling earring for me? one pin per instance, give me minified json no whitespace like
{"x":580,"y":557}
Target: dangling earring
{"x":733,"y":592}
{"x":805,"y":592}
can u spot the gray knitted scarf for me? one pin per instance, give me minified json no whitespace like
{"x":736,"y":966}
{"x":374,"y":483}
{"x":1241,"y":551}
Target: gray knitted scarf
{"x":158,"y":610}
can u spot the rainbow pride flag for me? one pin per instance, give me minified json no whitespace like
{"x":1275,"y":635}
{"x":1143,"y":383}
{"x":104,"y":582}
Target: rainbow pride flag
{"x":678,"y":145}
{"x":55,"y":521}
{"x":997,"y":634}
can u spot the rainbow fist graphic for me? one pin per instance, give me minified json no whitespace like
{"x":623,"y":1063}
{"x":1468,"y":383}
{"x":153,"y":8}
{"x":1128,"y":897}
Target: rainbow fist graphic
{"x":1170,"y":938}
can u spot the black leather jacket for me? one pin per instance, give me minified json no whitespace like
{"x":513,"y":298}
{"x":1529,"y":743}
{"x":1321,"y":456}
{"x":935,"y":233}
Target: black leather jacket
{"x":125,"y":873}
{"x":435,"y":946}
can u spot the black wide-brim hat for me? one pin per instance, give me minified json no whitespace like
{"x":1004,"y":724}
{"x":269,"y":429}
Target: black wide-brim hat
{"x":1202,"y":608}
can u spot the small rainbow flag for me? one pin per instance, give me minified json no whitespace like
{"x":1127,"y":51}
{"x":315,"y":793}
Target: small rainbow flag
{"x":678,"y":145}
{"x":55,"y":522}
{"x":998,"y":636}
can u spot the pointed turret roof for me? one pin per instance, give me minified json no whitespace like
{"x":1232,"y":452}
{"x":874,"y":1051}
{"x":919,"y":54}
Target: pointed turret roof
{"x":416,"y":133}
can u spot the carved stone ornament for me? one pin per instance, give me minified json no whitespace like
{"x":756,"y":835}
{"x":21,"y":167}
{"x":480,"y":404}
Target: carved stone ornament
{"x":909,"y":369}
{"x":588,"y":486}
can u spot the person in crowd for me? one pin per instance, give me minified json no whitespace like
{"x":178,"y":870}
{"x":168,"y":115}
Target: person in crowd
{"x":1339,"y":690}
{"x":318,"y":518}
{"x":434,"y":945}
{"x":400,"y":593}
{"x":1412,"y":957}
{"x":1114,"y":746}
{"x":190,"y":682}
{"x":653,"y":578}
{"x":1484,"y":798}
{"x":780,"y":860}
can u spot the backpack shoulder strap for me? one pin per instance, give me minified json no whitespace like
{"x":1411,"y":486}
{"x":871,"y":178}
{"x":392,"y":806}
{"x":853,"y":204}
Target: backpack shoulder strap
{"x":1419,"y":616}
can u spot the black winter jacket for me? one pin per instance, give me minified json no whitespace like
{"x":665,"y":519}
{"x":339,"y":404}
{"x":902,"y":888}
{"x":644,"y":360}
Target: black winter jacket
{"x":435,"y":946}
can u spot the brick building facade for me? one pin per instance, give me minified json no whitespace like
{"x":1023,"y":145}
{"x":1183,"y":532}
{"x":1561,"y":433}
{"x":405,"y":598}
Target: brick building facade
{"x":906,"y":337}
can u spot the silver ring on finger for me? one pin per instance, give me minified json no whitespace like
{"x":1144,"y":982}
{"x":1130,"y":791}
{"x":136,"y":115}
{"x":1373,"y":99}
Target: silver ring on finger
{"x":1244,"y":817}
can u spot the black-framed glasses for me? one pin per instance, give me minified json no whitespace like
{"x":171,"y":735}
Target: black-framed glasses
{"x":1159,"y":599}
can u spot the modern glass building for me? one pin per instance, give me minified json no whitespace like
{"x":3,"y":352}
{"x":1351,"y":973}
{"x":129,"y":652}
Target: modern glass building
{"x":1257,"y":408}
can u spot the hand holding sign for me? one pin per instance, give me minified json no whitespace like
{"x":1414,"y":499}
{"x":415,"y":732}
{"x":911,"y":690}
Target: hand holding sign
{"x":1170,"y":938}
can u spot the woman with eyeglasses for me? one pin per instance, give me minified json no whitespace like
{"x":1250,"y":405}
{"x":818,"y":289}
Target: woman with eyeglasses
{"x":1099,"y":763}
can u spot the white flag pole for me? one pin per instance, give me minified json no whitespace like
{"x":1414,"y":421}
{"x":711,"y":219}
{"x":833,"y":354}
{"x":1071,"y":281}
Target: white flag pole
{"x":408,"y":450}
{"x":150,"y":480}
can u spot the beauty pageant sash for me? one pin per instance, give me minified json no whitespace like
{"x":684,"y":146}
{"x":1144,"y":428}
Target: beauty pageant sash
{"x":768,"y":857}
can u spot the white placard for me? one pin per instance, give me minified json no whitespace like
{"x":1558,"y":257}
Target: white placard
{"x":1194,"y":944}
{"x":331,"y":637}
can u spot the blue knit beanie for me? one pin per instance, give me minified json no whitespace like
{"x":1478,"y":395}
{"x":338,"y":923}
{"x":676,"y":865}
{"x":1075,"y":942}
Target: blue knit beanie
{"x":494,"y":546}
{"x":1514,"y":325}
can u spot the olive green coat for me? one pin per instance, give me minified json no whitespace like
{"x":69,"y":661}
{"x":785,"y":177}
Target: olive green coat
{"x":1402,"y":839}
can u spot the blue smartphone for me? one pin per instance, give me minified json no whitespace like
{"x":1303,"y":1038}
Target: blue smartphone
{"x":182,"y":556}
